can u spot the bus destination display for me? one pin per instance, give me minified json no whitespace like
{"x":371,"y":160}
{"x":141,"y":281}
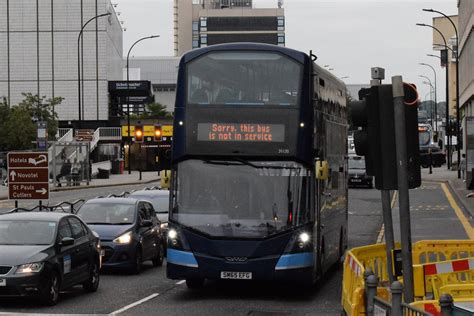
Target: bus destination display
{"x":238,"y":132}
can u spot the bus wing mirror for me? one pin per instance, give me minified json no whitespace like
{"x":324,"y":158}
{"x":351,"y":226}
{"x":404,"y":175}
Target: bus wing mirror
{"x":322,"y":170}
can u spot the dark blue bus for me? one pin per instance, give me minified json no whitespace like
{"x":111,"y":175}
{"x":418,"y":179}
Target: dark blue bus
{"x":259,"y":166}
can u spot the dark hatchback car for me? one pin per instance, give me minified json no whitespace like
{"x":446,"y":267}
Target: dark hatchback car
{"x":160,"y":199}
{"x":129,"y":231}
{"x":42,"y":253}
{"x":357,"y":174}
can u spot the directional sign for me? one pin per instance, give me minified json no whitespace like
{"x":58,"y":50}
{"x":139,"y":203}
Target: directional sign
{"x":28,"y":176}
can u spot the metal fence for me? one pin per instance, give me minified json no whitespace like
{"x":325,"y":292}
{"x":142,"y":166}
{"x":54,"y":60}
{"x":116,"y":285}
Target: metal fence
{"x":65,"y":207}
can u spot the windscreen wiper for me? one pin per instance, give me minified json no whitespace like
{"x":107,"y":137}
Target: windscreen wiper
{"x":248,"y":163}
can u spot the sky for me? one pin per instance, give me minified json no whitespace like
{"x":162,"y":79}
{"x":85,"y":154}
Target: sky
{"x":350,"y":36}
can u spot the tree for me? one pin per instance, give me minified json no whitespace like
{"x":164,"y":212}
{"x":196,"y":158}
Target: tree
{"x":19,"y":131}
{"x":155,"y":111}
{"x":18,"y":123}
{"x":42,"y":109}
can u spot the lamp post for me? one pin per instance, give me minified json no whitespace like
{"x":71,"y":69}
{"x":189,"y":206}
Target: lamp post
{"x":431,"y":96}
{"x":79,"y":62}
{"x":128,"y":97}
{"x":447,"y":92}
{"x":436,"y":95}
{"x":458,"y":115}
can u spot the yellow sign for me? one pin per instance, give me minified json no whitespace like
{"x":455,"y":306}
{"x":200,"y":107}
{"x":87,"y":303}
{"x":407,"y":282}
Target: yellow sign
{"x":148,"y":130}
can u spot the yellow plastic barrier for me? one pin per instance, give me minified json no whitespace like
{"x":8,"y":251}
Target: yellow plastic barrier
{"x":165,"y":176}
{"x":439,"y":266}
{"x":353,"y":285}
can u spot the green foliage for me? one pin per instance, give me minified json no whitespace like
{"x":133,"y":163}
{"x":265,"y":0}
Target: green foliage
{"x":154,"y":111}
{"x":18,"y":123}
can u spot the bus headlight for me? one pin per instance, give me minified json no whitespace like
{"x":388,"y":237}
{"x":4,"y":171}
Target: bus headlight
{"x":303,"y":239}
{"x":176,"y":239}
{"x":172,"y":234}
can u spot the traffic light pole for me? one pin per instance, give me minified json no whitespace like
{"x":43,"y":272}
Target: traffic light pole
{"x":403,"y":186}
{"x":385,"y":195}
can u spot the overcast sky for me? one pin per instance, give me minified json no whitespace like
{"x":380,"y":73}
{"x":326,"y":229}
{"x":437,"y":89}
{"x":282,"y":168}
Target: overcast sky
{"x":349,"y":35}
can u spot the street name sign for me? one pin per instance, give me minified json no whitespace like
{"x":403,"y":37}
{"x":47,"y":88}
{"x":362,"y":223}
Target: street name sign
{"x":28,"y":176}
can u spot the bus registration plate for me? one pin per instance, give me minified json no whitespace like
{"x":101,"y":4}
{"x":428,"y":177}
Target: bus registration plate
{"x":236,"y":275}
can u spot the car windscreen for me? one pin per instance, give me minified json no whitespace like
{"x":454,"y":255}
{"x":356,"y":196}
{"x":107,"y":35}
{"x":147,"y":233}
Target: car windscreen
{"x":160,"y":202}
{"x":27,"y":232}
{"x":356,"y":163}
{"x":107,"y":213}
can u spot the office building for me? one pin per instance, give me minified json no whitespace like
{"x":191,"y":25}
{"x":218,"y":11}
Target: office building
{"x":39,"y":53}
{"x":199,"y":23}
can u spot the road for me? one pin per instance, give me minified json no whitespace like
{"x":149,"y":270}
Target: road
{"x":151,"y":292}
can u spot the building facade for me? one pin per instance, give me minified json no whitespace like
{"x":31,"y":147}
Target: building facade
{"x":466,"y":79}
{"x":447,"y":29}
{"x":162,"y":72}
{"x":199,"y":23}
{"x":39,"y":53}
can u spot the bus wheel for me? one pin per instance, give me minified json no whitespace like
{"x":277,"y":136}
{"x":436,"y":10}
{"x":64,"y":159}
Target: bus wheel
{"x":194,"y":283}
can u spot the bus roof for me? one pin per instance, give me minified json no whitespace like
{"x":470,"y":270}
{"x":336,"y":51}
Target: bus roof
{"x":294,"y":54}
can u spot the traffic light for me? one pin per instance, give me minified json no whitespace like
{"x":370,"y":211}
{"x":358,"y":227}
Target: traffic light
{"x":375,"y":139}
{"x":158,"y":133}
{"x":139,"y":133}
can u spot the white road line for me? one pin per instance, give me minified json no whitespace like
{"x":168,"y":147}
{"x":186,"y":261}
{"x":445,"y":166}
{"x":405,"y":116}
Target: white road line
{"x":123,"y":309}
{"x":180,"y":282}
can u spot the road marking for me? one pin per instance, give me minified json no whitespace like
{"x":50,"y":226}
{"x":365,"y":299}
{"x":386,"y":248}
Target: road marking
{"x":181,"y":282}
{"x":123,"y":309}
{"x":382,"y":229}
{"x":459,"y":213}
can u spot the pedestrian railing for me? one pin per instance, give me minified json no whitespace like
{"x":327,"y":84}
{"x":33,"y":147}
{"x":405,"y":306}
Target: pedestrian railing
{"x":65,"y":207}
{"x":110,"y":133}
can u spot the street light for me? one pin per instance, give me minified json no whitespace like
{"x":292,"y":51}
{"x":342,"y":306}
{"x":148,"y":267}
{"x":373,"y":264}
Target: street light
{"x":458,"y":117}
{"x":431,"y":94}
{"x":128,"y":98}
{"x":79,"y":61}
{"x":447,"y":92}
{"x":436,"y":94}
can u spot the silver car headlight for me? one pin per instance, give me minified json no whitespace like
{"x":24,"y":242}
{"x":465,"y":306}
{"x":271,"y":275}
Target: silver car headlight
{"x":123,"y":239}
{"x":30,"y":268}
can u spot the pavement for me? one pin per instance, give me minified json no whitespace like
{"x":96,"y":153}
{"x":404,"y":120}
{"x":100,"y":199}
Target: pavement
{"x":113,"y":180}
{"x":457,"y":186}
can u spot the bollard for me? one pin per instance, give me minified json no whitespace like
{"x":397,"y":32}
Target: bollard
{"x":371,"y":285}
{"x":446,"y":304}
{"x":396,"y":288}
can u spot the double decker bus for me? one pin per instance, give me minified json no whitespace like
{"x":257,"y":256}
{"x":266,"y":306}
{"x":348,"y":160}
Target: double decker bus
{"x":259,"y":166}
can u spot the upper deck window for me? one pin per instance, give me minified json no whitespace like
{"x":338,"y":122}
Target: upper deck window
{"x":244,"y":78}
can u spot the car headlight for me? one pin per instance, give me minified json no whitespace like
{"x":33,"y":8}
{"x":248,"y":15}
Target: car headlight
{"x":124,"y":239}
{"x":30,"y":268}
{"x":172,"y":234}
{"x":164,"y":226}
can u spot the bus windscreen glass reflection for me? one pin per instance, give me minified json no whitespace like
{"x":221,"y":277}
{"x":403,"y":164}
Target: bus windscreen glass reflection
{"x":236,"y":198}
{"x":244,"y":78}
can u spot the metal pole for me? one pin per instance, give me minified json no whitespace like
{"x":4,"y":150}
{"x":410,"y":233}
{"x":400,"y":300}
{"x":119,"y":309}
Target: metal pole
{"x":128,"y":95}
{"x":387,"y":215}
{"x":79,"y":63}
{"x":436,"y":95}
{"x":388,"y":228}
{"x":447,"y":91}
{"x":403,"y":189}
{"x":458,"y":115}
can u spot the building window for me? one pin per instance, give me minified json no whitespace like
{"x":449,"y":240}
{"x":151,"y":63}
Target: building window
{"x":281,"y":39}
{"x":204,"y":39}
{"x":203,"y":24}
{"x":196,"y":1}
{"x":281,"y":23}
{"x":195,"y":43}
{"x":195,"y":26}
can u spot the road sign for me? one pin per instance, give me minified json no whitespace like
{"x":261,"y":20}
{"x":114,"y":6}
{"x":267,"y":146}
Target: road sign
{"x":28,"y":176}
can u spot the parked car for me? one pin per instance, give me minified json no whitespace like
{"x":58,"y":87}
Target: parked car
{"x":129,"y":231}
{"x":42,"y":253}
{"x":357,"y":173}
